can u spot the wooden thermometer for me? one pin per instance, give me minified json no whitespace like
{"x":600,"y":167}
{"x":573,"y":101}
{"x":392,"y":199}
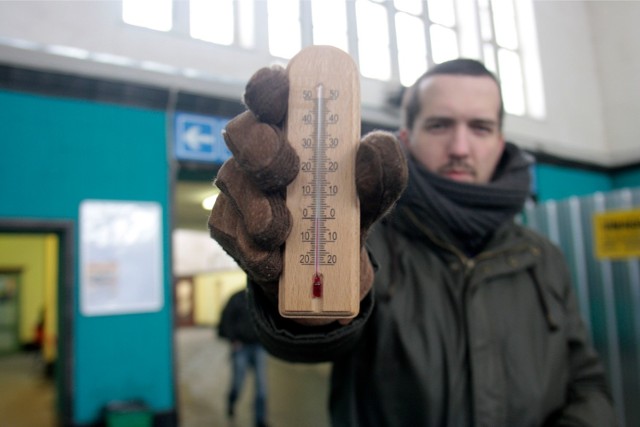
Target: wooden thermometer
{"x":321,"y":276}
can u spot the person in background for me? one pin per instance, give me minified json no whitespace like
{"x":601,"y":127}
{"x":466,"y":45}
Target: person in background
{"x":466,"y":317}
{"x":246,"y":352}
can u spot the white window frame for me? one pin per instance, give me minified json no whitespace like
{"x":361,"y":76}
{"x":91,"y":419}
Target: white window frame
{"x":467,"y":28}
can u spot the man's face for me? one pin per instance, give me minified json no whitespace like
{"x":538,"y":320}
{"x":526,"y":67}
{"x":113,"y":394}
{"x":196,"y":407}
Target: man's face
{"x":457,"y":132}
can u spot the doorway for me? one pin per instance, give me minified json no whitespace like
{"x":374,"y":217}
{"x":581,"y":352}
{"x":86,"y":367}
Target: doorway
{"x":37,"y":324}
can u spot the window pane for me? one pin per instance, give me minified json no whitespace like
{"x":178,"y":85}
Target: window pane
{"x":284,"y":27}
{"x":504,"y":20}
{"x":412,"y":50}
{"x":512,"y":83}
{"x":373,"y":40}
{"x":410,"y":6}
{"x":329,"y":19}
{"x":486,"y":26}
{"x":489,"y":57}
{"x":153,"y":14}
{"x":212,"y":20}
{"x":442,"y":12}
{"x":529,"y":55}
{"x":246,"y":23}
{"x":483,"y":4}
{"x":444,"y":43}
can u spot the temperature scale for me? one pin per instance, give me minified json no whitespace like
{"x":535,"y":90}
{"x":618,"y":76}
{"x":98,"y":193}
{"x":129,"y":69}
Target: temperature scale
{"x":321,"y":276}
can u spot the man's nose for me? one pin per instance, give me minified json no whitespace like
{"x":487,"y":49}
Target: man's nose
{"x":459,"y":144}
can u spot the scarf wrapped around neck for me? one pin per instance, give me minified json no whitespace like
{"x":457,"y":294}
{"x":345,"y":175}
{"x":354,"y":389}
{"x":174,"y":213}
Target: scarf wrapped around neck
{"x":468,"y":214}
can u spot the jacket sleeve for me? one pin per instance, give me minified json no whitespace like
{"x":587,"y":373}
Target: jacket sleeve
{"x":293,"y":342}
{"x":227,"y":329}
{"x":224,"y":326}
{"x":588,"y":402}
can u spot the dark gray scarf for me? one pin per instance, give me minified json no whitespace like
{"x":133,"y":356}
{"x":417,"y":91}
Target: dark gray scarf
{"x":468,"y":214}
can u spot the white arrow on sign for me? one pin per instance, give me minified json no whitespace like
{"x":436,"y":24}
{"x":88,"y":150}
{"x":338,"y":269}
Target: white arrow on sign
{"x":194,"y":138}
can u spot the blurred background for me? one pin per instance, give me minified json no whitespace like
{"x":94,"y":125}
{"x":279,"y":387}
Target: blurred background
{"x":111,"y":112}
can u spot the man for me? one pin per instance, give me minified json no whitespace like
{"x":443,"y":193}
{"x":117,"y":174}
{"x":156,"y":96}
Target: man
{"x":246,"y":352}
{"x":471,"y":319}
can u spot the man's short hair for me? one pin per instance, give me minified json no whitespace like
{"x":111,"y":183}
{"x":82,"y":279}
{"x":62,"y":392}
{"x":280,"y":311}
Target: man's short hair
{"x":461,"y":67}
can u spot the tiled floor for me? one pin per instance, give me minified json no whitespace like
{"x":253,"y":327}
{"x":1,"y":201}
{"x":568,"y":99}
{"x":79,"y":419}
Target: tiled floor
{"x":297,"y":393}
{"x":26,"y":397}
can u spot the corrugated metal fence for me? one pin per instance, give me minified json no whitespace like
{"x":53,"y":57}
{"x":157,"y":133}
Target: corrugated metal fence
{"x":608,"y":291}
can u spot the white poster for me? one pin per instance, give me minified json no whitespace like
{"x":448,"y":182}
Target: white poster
{"x":121,"y":257}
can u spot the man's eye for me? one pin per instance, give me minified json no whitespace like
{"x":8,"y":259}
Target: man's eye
{"x":483,"y":129}
{"x":434,"y":126}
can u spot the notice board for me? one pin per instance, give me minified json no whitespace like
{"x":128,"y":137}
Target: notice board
{"x":121,"y":268}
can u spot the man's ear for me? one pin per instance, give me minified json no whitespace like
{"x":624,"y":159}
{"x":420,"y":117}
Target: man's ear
{"x":403,"y":137}
{"x":503,"y":141}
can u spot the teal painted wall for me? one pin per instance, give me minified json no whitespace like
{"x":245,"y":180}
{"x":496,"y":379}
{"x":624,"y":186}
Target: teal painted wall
{"x":53,"y":154}
{"x":557,"y":182}
{"x":627,"y":179}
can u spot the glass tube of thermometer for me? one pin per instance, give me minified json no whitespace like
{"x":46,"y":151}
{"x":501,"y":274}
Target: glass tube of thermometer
{"x":321,"y":276}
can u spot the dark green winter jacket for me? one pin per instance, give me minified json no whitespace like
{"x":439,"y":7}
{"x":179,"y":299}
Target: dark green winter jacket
{"x":446,"y":340}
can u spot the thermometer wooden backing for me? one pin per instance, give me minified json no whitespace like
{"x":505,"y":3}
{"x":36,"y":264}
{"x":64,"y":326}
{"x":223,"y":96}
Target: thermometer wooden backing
{"x":321,"y":276}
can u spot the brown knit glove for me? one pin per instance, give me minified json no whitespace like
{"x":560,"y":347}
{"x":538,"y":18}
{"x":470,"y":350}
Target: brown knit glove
{"x":250,"y":218}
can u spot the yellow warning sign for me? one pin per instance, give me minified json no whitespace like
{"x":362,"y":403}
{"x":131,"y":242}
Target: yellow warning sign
{"x":617,"y":234}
